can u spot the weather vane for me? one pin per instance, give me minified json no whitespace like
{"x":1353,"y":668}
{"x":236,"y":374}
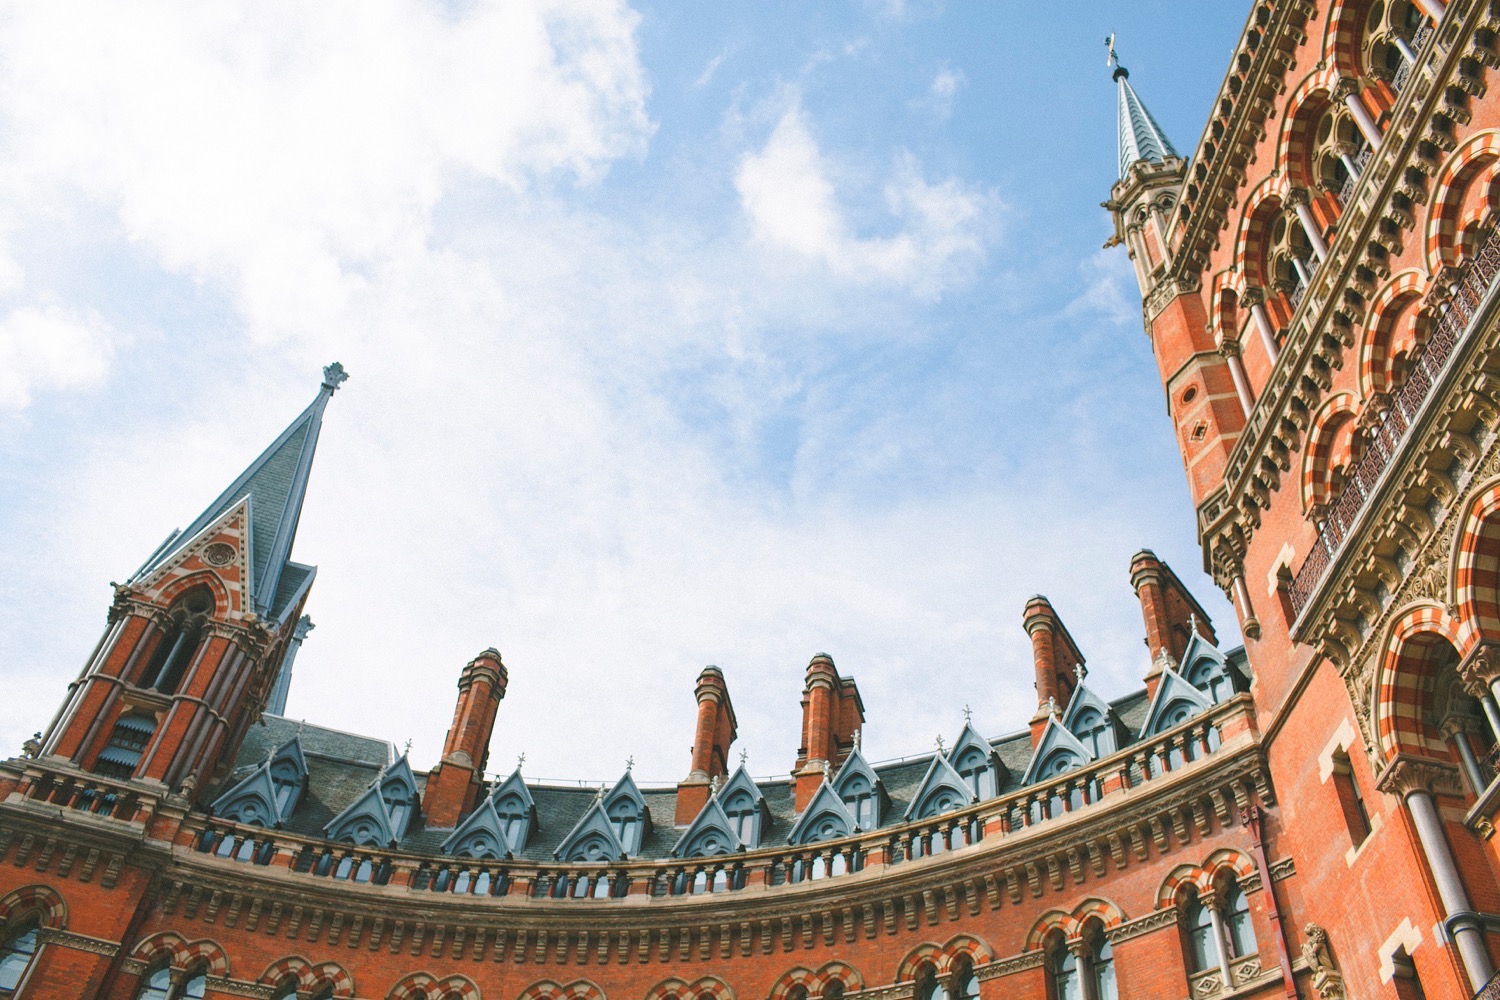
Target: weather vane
{"x":1112,"y":59}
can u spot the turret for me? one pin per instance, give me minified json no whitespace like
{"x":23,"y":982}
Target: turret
{"x":1056,"y":659}
{"x":715,"y":731}
{"x":200,"y":633}
{"x":832,"y":713}
{"x":1201,"y":375}
{"x":454,"y":785}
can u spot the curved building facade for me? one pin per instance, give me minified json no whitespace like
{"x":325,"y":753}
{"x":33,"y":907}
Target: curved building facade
{"x":1312,"y":814}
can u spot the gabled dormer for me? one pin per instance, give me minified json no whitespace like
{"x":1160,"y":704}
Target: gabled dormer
{"x":942,"y":790}
{"x":862,"y":791}
{"x":626,"y":809}
{"x":1092,"y":719}
{"x":977,"y":764}
{"x":382,"y":815}
{"x":482,"y":835}
{"x":709,"y":834}
{"x":1176,"y":701}
{"x":825,"y":818}
{"x":1206,"y":668}
{"x":268,"y":794}
{"x":592,"y":838}
{"x":1058,"y":752}
{"x":746,"y":808}
{"x":517,"y":810}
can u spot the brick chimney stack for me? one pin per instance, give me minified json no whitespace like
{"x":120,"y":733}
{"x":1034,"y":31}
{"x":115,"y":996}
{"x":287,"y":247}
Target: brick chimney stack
{"x":1056,"y":659}
{"x":1170,"y":613}
{"x":453,"y":786}
{"x":715,"y":732}
{"x":832,"y":712}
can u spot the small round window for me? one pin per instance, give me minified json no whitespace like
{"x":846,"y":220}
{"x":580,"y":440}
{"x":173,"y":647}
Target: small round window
{"x":1189,"y":394}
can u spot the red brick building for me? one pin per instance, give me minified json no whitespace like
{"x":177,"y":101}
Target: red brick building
{"x":1311,"y":815}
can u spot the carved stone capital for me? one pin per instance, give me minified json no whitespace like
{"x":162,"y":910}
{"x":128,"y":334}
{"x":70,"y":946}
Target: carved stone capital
{"x":1229,"y":348}
{"x":1408,"y":775}
{"x":1297,"y":196}
{"x":1346,"y":87}
{"x":1480,"y":668}
{"x":1253,"y":296}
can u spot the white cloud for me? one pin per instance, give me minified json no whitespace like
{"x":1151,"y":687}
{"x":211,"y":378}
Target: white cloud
{"x":942,"y":91}
{"x":1108,"y":287}
{"x":792,"y":205}
{"x":50,"y":347}
{"x":710,"y":68}
{"x":275,"y":147}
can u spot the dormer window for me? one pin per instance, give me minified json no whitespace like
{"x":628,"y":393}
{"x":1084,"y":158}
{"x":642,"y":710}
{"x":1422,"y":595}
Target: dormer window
{"x":860,"y":798}
{"x":397,"y":803}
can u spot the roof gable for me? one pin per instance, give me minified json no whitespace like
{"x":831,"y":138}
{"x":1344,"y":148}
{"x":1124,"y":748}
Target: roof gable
{"x":254,"y":799}
{"x":826,"y":818}
{"x":371,"y":819}
{"x":1173,"y":691}
{"x":481,"y":835}
{"x":592,"y":838}
{"x":1056,"y":741}
{"x":942,"y":790}
{"x":740,"y":783}
{"x":231,"y":561}
{"x":514,"y":798}
{"x":1083,"y":708}
{"x":709,"y":834}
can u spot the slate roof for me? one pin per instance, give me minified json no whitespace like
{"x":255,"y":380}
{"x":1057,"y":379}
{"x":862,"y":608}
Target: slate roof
{"x":342,"y":765}
{"x":1141,"y":138}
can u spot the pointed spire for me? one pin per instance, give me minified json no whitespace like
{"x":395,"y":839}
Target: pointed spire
{"x":276,"y":483}
{"x":1141,"y":138}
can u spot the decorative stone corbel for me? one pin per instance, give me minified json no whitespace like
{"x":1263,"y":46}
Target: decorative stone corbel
{"x":1326,"y":978}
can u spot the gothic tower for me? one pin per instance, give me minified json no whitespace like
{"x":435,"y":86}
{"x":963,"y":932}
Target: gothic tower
{"x":199,"y":635}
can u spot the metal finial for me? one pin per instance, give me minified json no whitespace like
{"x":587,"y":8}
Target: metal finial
{"x":968,"y":715}
{"x":629,"y":763}
{"x":407,"y":751}
{"x":1051,"y":705}
{"x":713,"y":785}
{"x":1112,"y":59}
{"x":744,"y":756}
{"x":1078,"y":672}
{"x":520,"y":759}
{"x":334,"y":376}
{"x":599,"y":795}
{"x":940,"y":743}
{"x":828,"y":772}
{"x":858,"y":739}
{"x":1192,"y":623}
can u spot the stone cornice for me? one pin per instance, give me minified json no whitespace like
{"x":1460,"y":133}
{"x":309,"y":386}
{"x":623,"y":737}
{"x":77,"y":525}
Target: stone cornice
{"x":78,"y":942}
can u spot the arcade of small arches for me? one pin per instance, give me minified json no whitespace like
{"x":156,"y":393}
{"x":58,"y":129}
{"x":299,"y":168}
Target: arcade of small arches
{"x":1207,"y":900}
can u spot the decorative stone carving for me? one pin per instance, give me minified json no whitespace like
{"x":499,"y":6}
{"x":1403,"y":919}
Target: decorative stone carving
{"x":1408,"y":775}
{"x":219,"y":554}
{"x":1326,"y":978}
{"x":1480,"y":668}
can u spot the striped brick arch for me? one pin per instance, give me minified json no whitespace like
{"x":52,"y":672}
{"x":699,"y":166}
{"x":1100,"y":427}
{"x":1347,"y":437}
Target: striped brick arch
{"x":1228,"y":288}
{"x":1419,"y":641}
{"x":926,"y":955}
{"x":707,"y":988}
{"x":789,"y":982}
{"x":1346,"y":29}
{"x":1304,"y":109}
{"x":1476,"y":577}
{"x":1392,"y":327}
{"x":965,"y":948}
{"x":424,"y":986}
{"x":180,"y":954}
{"x":1236,"y":863}
{"x":1181,"y":878}
{"x":579,"y":989}
{"x":310,"y":978}
{"x":39,"y":901}
{"x":1054,"y":921}
{"x":1253,"y":243}
{"x":1102,"y":910}
{"x":1471,"y":163}
{"x":1330,"y":447}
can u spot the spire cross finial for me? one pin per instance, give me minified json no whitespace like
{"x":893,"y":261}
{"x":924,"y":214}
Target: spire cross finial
{"x":520,"y":759}
{"x":334,"y":376}
{"x":1078,"y":672}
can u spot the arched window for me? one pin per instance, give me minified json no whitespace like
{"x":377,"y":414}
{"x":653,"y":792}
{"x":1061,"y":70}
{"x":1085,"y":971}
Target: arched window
{"x":516,"y":820}
{"x":286,"y":989}
{"x":1062,"y":970}
{"x":1237,"y":922}
{"x":20,"y":944}
{"x":180,"y":638}
{"x":927,"y":985}
{"x":833,"y":991}
{"x":623,"y":820}
{"x":156,"y":985}
{"x":397,"y":804}
{"x":287,"y":782}
{"x":1101,"y":962}
{"x":1198,"y":934}
{"x":974,"y":767}
{"x":965,"y":982}
{"x":742,"y":816}
{"x":860,"y":798}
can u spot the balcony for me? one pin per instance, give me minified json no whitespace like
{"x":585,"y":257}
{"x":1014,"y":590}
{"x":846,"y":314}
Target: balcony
{"x":1388,"y":437}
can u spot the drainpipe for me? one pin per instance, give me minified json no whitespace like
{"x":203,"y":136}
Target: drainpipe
{"x":1251,"y":819}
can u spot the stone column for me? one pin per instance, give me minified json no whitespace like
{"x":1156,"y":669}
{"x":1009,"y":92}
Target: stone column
{"x":1480,"y":673}
{"x":1299,"y":199}
{"x":1348,"y":91}
{"x":1085,"y":959}
{"x":1255,"y":298}
{"x":1455,"y":730}
{"x":1229,"y":350}
{"x":1212,"y":906}
{"x":1414,"y":781}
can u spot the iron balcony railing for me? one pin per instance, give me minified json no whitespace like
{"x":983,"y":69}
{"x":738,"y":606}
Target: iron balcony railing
{"x":1404,"y":71}
{"x":1351,"y":181}
{"x":1385,"y":441}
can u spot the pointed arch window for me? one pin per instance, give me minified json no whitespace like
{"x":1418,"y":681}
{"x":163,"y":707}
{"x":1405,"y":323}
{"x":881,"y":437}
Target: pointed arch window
{"x":397,"y":799}
{"x":743,"y":818}
{"x":1101,"y":955}
{"x":928,"y":987}
{"x":965,"y":982}
{"x":158,"y":985}
{"x":974,"y":767}
{"x":1090,"y":728}
{"x":623,"y":819}
{"x":16,"y":953}
{"x":1062,"y":971}
{"x":287,"y":782}
{"x":515,"y":819}
{"x":181,"y":636}
{"x":859,"y":796}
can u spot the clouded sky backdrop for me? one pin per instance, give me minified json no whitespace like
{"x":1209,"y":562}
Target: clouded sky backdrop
{"x":679,"y":333}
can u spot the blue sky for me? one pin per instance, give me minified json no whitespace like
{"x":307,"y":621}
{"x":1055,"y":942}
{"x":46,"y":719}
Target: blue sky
{"x":679,"y":333}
